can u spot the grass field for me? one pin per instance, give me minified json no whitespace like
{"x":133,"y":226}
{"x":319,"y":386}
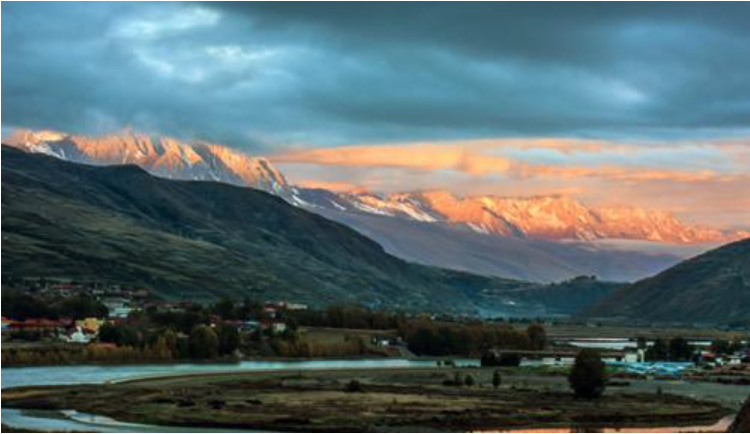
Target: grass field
{"x":385,"y":400}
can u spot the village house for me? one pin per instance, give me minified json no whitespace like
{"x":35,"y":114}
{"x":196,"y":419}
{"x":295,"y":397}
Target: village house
{"x":118,"y":307}
{"x":79,"y":336}
{"x":549,"y":358}
{"x":90,"y":325}
{"x":42,"y":326}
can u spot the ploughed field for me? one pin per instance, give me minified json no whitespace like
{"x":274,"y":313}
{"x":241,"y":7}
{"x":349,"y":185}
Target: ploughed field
{"x":377,"y":400}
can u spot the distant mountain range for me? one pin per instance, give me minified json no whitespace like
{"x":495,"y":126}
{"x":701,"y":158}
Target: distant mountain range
{"x":203,"y":240}
{"x":542,"y":217}
{"x":509,"y":237}
{"x":711,"y":288}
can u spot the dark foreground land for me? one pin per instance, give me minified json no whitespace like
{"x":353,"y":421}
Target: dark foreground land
{"x":372,"y":400}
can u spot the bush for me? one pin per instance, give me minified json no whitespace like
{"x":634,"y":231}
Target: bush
{"x":497,"y":380}
{"x":587,"y":377}
{"x":469,"y":380}
{"x":353,"y":386}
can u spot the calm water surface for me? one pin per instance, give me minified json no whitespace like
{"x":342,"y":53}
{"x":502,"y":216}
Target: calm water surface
{"x":97,"y":374}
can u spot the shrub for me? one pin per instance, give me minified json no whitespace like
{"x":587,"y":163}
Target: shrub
{"x":469,"y":380}
{"x":353,"y":386}
{"x":497,"y":380}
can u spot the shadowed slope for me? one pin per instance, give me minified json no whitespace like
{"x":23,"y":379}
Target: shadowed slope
{"x":711,"y":288}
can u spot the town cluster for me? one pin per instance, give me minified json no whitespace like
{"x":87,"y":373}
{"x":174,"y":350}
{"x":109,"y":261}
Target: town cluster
{"x":95,"y":304}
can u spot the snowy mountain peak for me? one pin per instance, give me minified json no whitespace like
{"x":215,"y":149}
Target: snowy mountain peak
{"x":162,"y":156}
{"x":551,"y":217}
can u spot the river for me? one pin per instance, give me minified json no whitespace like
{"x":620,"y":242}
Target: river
{"x":97,"y":374}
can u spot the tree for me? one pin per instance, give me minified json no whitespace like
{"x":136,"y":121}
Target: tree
{"x":497,"y":380}
{"x":658,"y":351}
{"x":229,"y":339}
{"x":225,"y":309}
{"x":122,"y":335}
{"x":109,"y":333}
{"x":537,"y":336}
{"x":204,"y":344}
{"x":680,"y":350}
{"x":82,"y":306}
{"x":587,"y":377}
{"x":21,"y":306}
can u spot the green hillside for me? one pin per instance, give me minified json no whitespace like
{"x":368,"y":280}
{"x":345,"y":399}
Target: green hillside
{"x":711,"y":288}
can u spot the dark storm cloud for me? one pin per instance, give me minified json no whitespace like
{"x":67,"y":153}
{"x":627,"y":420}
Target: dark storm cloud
{"x":259,"y":74}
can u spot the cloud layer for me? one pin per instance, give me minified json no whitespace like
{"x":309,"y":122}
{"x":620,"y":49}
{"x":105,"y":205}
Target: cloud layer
{"x":255,"y":75}
{"x":706,"y":182}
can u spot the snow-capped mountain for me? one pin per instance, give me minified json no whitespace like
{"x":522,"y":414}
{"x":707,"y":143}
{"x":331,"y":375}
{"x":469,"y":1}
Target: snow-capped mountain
{"x":162,"y":156}
{"x":540,"y":217}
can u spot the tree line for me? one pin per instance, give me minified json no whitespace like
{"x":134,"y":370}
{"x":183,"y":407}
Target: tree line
{"x":469,"y":339}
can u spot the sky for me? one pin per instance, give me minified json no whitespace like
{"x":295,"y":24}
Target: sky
{"x":643,"y":104}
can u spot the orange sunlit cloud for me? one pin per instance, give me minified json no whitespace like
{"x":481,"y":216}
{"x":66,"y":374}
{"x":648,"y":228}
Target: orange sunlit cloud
{"x":471,"y":159}
{"x":713,"y":190}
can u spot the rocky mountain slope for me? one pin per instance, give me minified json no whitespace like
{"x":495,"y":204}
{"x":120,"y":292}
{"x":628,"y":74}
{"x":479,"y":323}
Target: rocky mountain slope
{"x":711,"y":288}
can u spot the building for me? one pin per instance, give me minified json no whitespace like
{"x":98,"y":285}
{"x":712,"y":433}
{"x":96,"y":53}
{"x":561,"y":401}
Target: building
{"x":117,"y":307}
{"x":495,"y":357}
{"x":90,"y":325}
{"x":42,"y":326}
{"x":78,"y":337}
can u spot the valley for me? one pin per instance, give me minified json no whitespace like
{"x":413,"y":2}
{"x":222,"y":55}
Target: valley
{"x":375,"y":217}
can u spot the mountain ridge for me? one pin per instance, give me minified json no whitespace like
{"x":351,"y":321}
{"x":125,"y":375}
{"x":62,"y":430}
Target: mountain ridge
{"x":550,"y":217}
{"x":162,"y":156}
{"x":202,"y":240}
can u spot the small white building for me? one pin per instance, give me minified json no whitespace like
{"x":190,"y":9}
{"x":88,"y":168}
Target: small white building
{"x":79,"y":337}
